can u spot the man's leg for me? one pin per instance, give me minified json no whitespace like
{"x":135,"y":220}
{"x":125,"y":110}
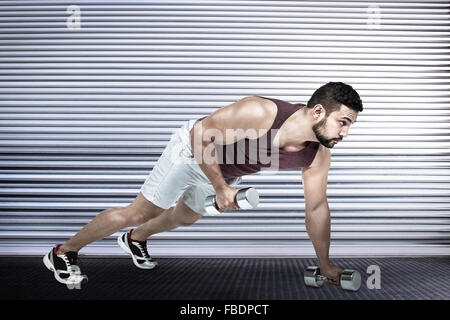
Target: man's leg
{"x":109,"y":221}
{"x":174,"y":217}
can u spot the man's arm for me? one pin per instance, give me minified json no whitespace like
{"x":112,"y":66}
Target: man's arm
{"x":317,"y":212}
{"x":234,"y":122}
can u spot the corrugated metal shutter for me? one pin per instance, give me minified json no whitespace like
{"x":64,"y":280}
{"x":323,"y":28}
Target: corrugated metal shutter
{"x":86,"y":112}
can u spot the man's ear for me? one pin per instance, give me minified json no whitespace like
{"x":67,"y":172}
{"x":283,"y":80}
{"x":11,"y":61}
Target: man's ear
{"x":318,"y":112}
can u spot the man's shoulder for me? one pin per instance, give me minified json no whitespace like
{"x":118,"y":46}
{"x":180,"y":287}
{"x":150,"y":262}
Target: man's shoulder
{"x":256,"y":112}
{"x":262,"y":104}
{"x":248,"y":117}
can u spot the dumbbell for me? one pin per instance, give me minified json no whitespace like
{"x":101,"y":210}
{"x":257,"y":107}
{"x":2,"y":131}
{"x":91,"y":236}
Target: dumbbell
{"x":350,"y":279}
{"x":247,"y":198}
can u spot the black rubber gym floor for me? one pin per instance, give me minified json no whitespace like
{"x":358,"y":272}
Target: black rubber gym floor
{"x":116,"y":278}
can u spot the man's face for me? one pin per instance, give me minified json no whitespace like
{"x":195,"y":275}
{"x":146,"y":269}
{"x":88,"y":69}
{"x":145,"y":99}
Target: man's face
{"x":332,"y":129}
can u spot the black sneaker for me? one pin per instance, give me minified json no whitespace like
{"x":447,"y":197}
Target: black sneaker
{"x":64,"y":267}
{"x":137,"y":250}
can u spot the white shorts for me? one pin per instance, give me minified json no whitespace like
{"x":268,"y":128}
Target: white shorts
{"x":177,"y":173}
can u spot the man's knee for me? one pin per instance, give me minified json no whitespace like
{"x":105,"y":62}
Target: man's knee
{"x":134,"y":217}
{"x":141,"y":210}
{"x":183,"y":215}
{"x":186,"y":222}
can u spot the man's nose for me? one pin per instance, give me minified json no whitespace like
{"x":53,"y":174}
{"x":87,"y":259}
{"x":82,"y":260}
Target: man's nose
{"x":344,"y":133}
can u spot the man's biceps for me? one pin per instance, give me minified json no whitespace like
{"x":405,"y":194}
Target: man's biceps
{"x":312,"y":175}
{"x":315,"y":191}
{"x":315,"y":201}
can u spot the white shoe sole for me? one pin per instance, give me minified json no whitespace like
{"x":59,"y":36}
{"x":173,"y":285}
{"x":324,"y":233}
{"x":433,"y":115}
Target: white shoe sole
{"x":127,"y":250}
{"x":49,"y":266}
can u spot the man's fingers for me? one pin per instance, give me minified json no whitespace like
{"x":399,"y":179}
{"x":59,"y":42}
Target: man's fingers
{"x":332,"y":281}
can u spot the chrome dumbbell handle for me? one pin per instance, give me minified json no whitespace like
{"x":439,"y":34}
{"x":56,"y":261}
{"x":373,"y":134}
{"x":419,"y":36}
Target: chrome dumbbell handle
{"x":321,"y":277}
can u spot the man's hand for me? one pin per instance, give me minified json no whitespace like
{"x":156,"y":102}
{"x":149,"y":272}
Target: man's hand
{"x":225,"y":198}
{"x":332,"y":273}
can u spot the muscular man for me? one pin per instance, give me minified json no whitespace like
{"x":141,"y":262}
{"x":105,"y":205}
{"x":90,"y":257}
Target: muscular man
{"x":210,"y":155}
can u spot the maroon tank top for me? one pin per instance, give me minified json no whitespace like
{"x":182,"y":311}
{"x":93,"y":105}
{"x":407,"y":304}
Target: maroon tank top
{"x":249,"y":156}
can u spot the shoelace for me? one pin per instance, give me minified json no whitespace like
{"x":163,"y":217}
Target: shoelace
{"x":68,"y":261}
{"x":142,"y":246}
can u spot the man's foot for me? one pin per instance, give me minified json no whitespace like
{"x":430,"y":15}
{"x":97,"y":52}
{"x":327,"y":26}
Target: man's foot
{"x":64,"y":267}
{"x":137,"y":250}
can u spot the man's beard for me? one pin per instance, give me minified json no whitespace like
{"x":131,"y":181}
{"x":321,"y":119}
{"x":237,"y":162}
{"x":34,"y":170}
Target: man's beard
{"x":317,"y":129}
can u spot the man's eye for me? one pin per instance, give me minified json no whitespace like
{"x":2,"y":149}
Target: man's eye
{"x":342,"y":123}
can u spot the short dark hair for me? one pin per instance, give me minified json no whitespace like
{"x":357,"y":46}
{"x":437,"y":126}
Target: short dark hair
{"x":333,"y":94}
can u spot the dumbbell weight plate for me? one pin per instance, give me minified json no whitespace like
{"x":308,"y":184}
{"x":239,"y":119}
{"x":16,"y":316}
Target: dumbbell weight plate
{"x":211,"y":206}
{"x":311,"y":277}
{"x":350,"y":280}
{"x":247,"y":198}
